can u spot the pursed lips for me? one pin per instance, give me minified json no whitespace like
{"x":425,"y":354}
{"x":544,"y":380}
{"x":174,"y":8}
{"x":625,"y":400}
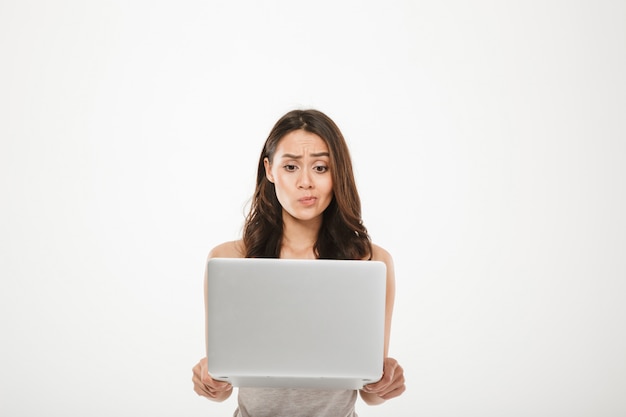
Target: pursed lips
{"x":307,"y":199}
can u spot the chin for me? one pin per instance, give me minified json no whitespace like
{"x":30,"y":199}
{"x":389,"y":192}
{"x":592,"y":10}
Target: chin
{"x":305,"y":217}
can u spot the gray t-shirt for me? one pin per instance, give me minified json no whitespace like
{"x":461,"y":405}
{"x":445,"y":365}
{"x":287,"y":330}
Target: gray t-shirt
{"x":273,"y":402}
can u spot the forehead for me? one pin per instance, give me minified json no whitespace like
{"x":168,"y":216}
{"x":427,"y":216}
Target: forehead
{"x":300,"y":142}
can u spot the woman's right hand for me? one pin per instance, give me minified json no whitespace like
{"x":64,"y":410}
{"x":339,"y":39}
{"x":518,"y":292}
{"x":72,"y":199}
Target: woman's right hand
{"x":208,"y":387}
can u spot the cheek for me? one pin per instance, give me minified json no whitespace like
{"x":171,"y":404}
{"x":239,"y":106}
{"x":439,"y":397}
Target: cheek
{"x":280,"y":188}
{"x":329,"y":184}
{"x":280,"y":182}
{"x":330,"y":195}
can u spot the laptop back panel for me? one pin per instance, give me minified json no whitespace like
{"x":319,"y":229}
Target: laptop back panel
{"x":295,"y":323}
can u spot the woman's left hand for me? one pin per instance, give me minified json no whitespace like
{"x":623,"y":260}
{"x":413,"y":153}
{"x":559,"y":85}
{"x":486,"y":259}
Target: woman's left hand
{"x":391,"y":384}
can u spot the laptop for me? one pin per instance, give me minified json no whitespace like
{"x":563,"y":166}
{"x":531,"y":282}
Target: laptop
{"x":287,"y":323}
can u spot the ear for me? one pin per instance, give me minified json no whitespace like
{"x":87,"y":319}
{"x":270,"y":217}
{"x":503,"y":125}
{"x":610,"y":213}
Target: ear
{"x":268,"y":170}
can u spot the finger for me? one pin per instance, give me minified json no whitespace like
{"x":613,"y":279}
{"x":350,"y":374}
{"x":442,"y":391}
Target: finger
{"x":395,"y":388}
{"x":206,"y":386}
{"x":396,"y":383}
{"x":214,"y":384}
{"x":217,"y":386}
{"x":207,"y":391}
{"x":384,"y":382}
{"x":393,"y":393}
{"x":200,"y":388}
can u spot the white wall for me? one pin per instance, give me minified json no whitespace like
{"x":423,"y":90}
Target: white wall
{"x":489,"y":141}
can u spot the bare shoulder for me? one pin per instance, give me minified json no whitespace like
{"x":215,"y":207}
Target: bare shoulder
{"x":232,"y":249}
{"x":381,"y":254}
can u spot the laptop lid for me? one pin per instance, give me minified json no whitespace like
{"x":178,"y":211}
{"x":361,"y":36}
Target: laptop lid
{"x":295,"y":323}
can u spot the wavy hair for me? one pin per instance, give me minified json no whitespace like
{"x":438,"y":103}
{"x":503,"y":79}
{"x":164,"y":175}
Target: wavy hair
{"x":342,"y":234}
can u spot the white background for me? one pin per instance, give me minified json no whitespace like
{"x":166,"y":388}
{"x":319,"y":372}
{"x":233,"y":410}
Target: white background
{"x":489,"y":143}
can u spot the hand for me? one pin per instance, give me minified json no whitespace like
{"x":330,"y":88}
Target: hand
{"x":391,"y":384}
{"x":208,"y":387}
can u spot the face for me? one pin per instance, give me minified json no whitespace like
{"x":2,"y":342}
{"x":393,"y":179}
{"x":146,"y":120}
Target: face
{"x":300,"y":171}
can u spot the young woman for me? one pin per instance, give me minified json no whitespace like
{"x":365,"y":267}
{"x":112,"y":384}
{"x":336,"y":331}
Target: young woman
{"x":306,"y":205}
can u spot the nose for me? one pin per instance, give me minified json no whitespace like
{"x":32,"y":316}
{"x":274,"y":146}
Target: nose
{"x":304,"y":181}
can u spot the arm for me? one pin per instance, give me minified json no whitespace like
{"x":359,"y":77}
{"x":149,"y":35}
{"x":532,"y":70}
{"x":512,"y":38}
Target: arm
{"x":392,"y":382}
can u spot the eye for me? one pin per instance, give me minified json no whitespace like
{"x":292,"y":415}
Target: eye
{"x":290,"y":168}
{"x":320,"y":168}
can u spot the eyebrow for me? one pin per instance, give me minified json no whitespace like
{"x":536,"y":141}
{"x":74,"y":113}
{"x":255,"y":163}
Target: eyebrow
{"x":314,"y":155}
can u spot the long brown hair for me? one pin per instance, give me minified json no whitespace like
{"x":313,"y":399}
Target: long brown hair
{"x":342,"y":234}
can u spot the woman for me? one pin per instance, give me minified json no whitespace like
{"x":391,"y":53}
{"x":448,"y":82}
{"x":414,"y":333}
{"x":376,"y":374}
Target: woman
{"x":306,"y":205}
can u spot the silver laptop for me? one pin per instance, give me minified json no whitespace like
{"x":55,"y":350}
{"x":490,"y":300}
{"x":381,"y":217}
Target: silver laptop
{"x":289,"y":323}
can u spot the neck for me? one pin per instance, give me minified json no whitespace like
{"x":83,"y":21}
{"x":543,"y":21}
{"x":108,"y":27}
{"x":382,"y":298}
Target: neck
{"x":299,"y":237}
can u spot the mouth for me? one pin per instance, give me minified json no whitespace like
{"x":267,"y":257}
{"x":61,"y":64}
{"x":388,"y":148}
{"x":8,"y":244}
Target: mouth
{"x":307,"y":201}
